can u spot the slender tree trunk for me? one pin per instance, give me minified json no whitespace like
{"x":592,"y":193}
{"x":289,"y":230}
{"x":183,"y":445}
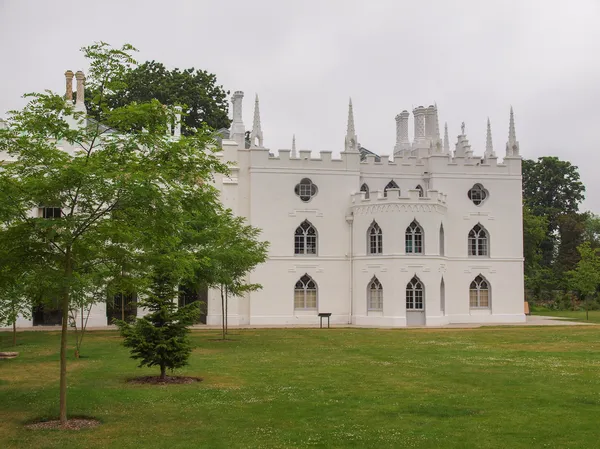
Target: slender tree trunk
{"x":15,"y":332}
{"x":122,"y":307}
{"x":163,"y":372}
{"x":223,"y":311}
{"x":226,"y":310}
{"x":63,"y":339}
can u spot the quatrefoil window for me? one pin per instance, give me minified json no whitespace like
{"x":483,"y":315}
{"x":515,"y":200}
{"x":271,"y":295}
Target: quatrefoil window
{"x":305,"y":189}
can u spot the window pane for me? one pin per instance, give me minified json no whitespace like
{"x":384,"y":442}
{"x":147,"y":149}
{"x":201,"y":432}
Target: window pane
{"x":418,"y":243}
{"x":299,"y":299}
{"x":484,"y":300}
{"x":419,"y":299}
{"x":410,"y":301}
{"x":311,"y":299}
{"x":473,"y":298}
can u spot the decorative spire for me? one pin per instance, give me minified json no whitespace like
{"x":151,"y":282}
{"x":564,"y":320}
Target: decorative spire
{"x":446,"y":139}
{"x":350,"y":143}
{"x":489,"y":147}
{"x":294,"y":153}
{"x":512,"y":146}
{"x":256,"y":129}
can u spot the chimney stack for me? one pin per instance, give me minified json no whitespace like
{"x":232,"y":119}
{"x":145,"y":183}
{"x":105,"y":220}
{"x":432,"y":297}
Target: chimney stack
{"x":79,"y":103}
{"x":69,"y":88}
{"x":238,"y":131}
{"x":402,"y":141}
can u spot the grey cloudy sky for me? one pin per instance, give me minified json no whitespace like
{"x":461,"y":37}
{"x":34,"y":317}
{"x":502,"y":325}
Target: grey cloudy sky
{"x":473,"y":57}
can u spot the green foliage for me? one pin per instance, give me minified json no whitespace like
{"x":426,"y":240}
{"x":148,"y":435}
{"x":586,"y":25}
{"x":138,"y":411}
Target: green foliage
{"x":585,"y":278}
{"x":551,"y":188}
{"x":204,"y":101}
{"x":120,"y":194}
{"x":160,"y":337}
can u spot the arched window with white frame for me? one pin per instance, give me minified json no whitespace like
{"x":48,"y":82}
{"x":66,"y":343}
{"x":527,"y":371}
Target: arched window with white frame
{"x":479,"y":293}
{"x":413,"y":238}
{"x":390,"y":185}
{"x":305,"y":293}
{"x":421,"y":191}
{"x":374,"y":239}
{"x":375,"y":295}
{"x":305,"y":239}
{"x":365,"y":188}
{"x":478,"y":241}
{"x":415,"y":299}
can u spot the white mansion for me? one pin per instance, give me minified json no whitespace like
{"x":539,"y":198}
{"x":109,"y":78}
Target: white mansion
{"x":429,"y":236}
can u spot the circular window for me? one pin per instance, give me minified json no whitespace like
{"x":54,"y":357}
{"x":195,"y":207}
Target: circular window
{"x":305,"y":189}
{"x":478,"y":194}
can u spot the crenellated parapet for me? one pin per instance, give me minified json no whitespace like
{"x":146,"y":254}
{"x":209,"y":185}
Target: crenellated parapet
{"x":393,"y":200}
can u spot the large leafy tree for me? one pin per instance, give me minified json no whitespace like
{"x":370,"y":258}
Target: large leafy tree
{"x":551,"y":188}
{"x":203,"y":100}
{"x":109,"y":192}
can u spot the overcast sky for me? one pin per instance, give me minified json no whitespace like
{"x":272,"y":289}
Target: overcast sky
{"x":305,"y":58}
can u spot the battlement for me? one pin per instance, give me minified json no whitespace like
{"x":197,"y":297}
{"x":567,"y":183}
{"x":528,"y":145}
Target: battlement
{"x":395,"y":196}
{"x":378,"y":202}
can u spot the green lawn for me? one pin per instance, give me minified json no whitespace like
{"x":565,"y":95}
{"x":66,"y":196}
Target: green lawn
{"x":577,"y":315}
{"x":519,"y":387}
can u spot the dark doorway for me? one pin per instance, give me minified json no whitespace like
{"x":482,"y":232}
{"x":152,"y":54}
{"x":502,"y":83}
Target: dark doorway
{"x":189,"y":294}
{"x":121,"y":306}
{"x":47,"y":314}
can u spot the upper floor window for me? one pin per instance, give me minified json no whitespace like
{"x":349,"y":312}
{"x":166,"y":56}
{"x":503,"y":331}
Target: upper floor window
{"x":305,"y":293}
{"x":365,"y":188}
{"x":305,"y":189}
{"x":414,"y":238}
{"x":305,"y":239}
{"x":390,"y":185}
{"x":442,"y":243}
{"x":479,"y":293}
{"x":414,"y":294}
{"x":50,"y":212}
{"x":374,"y":239}
{"x":375,"y":295}
{"x":477,"y":194}
{"x":421,"y":192}
{"x":478,"y":241}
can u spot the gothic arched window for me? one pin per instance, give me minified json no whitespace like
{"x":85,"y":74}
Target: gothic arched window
{"x":375,"y":295}
{"x":414,"y":239}
{"x":414,"y":295}
{"x":305,"y":239}
{"x":442,"y":243}
{"x":478,"y":241}
{"x":477,"y":194}
{"x":390,"y":185}
{"x":305,"y":293}
{"x":305,"y":189}
{"x":479,"y":293}
{"x":421,"y":192}
{"x":374,"y":239}
{"x":365,"y":188}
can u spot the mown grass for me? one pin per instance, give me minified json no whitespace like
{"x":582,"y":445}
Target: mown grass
{"x":331,"y":388}
{"x":572,"y":315}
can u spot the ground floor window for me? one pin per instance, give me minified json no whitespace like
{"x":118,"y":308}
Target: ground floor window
{"x":479,"y":293}
{"x":305,"y":293}
{"x":414,"y":294}
{"x":375,"y":295}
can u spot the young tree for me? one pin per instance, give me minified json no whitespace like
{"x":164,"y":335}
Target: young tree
{"x":585,"y":278}
{"x":76,"y":189}
{"x":14,"y":303}
{"x":160,"y":338}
